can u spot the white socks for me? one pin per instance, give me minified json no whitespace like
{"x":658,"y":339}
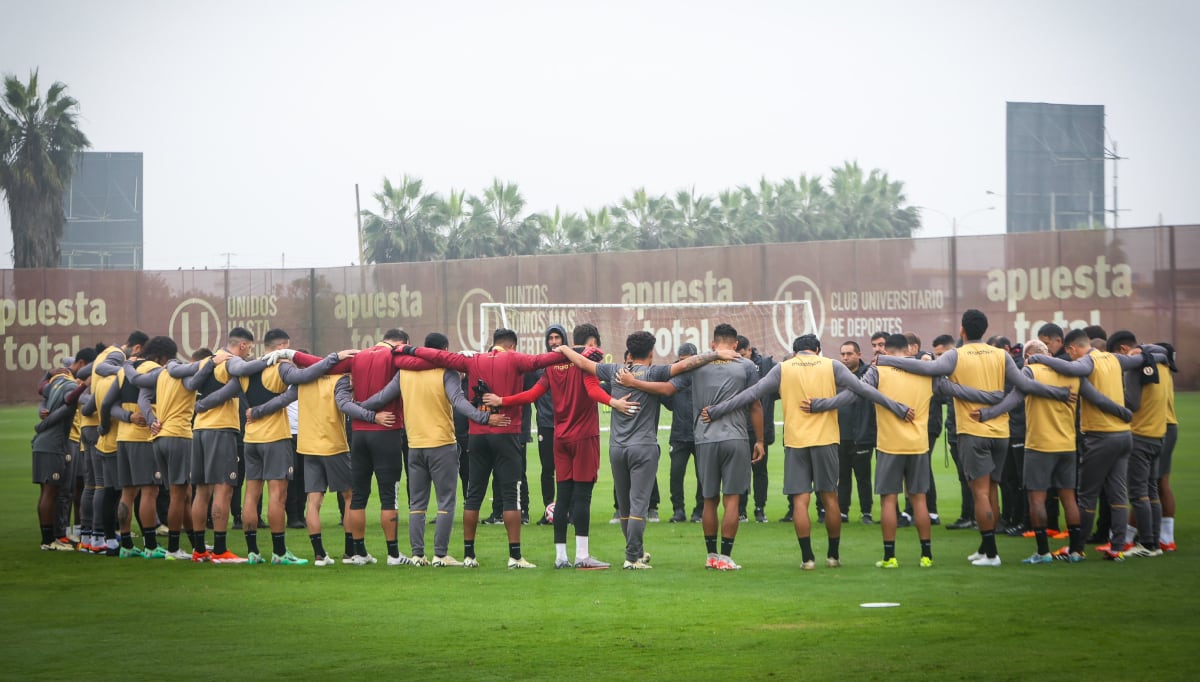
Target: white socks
{"x":560,"y":551}
{"x":1167,"y":534}
{"x":581,"y":547}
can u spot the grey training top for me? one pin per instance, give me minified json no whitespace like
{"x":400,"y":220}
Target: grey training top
{"x":640,"y":428}
{"x":713,"y":383}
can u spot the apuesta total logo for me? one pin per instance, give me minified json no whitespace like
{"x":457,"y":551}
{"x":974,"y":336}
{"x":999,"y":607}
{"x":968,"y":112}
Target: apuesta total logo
{"x":788,"y":319}
{"x":195,"y":324}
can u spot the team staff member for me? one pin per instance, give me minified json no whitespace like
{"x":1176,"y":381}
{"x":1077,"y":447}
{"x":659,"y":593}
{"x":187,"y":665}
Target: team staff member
{"x":493,"y":448}
{"x":758,"y":470}
{"x":1167,"y":540}
{"x":683,"y":446}
{"x":856,"y":422}
{"x":982,"y":445}
{"x":556,"y":336}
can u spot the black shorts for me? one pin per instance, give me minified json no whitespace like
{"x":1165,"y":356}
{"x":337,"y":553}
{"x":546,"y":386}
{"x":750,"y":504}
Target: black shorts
{"x":378,"y":453}
{"x":488,"y":453}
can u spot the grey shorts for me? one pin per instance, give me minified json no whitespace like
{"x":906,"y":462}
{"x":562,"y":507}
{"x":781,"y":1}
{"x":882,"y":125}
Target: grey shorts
{"x":1049,"y":470}
{"x":982,"y":456}
{"x":74,"y":461}
{"x":105,"y":467}
{"x":809,"y":469}
{"x":269,"y":461}
{"x":1168,"y":449}
{"x":136,"y":465}
{"x":174,"y":457}
{"x":87,"y":460}
{"x":214,"y":457}
{"x":327,"y":473}
{"x":727,"y":464}
{"x":49,"y":467}
{"x":895,"y":474}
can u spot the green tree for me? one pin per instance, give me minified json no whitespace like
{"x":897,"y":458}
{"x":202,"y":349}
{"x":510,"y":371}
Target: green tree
{"x":38,"y":141}
{"x":645,"y":218}
{"x":868,"y":207}
{"x":499,"y":213}
{"x":405,"y":229}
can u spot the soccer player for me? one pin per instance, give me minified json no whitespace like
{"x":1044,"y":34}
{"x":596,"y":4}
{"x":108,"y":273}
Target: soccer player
{"x":169,"y":407}
{"x":856,"y":423}
{"x":1107,"y":441}
{"x":633,"y":435}
{"x":982,"y":445}
{"x":758,"y":470}
{"x":1167,"y":540}
{"x":432,"y":397}
{"x":268,"y":451}
{"x":576,"y":443}
{"x":723,"y":450}
{"x":556,"y":335}
{"x":215,"y":433}
{"x":61,"y":393}
{"x":1050,"y":449}
{"x":810,"y":440}
{"x":493,"y":448}
{"x":683,"y":445}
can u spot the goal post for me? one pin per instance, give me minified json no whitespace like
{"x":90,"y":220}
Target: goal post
{"x":771,"y":326}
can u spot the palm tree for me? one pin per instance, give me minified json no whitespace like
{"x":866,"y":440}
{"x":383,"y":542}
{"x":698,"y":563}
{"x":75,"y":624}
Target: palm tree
{"x":404,"y":229}
{"x":500,"y":212}
{"x":868,"y":207}
{"x":38,"y":141}
{"x":557,"y":231}
{"x":646,"y":217}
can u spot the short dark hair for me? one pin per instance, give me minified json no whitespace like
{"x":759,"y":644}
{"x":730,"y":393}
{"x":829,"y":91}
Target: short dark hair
{"x":1077,"y":337}
{"x":725,"y":331}
{"x":274,"y":335}
{"x":807,"y":342}
{"x":437,"y":340}
{"x":1095,"y":331}
{"x":897,"y":342}
{"x":504,"y":334}
{"x":943,"y":340}
{"x":848,"y":342}
{"x":1000,"y":342}
{"x":743,"y":343}
{"x":201,"y":354}
{"x":1050,"y":331}
{"x":137,"y":337}
{"x":913,"y":339}
{"x":879,"y":335}
{"x":583,"y":332}
{"x":395,"y":334}
{"x":975,"y":324}
{"x":240,"y":334}
{"x":640,"y":345}
{"x":160,"y":349}
{"x":1120,"y":338}
{"x":86,"y":355}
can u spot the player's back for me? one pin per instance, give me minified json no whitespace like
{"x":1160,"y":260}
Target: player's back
{"x":714,"y":383}
{"x":575,"y":413}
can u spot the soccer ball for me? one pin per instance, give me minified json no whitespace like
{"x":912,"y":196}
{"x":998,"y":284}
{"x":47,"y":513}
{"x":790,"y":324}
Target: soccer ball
{"x":550,"y":512}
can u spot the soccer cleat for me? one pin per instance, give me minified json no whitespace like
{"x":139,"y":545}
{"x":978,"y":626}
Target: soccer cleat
{"x":678,"y":516}
{"x":324,"y":561}
{"x":760,"y":516}
{"x":228,"y":557}
{"x":711,"y":562}
{"x":562,"y":563}
{"x":85,"y":547}
{"x":1036,"y":558}
{"x":934,"y":519}
{"x":360,"y":560}
{"x":399,"y":560}
{"x":1140,"y":550}
{"x":288,"y":559}
{"x":904,"y":521}
{"x":652,"y":517}
{"x":725,"y":563}
{"x":254,"y":558}
{"x":987,"y":561}
{"x":926,"y":562}
{"x":443,"y":561}
{"x":867,"y":520}
{"x":963,"y":523}
{"x":1075,"y":557}
{"x":47,"y":547}
{"x":62,"y":545}
{"x":159,"y":552}
{"x":545,"y":521}
{"x":616,"y":518}
{"x":179,"y":555}
{"x":1029,"y":534}
{"x":1059,"y":535}
{"x":833,"y":562}
{"x":1113,"y":556}
{"x":787,"y":518}
{"x":976,"y":556}
{"x":470,"y":562}
{"x":493,"y":520}
{"x":808,"y":565}
{"x":1061,"y":553}
{"x":520,"y":563}
{"x":636,"y":565}
{"x":591,"y":563}
{"x":742,"y":518}
{"x":347,"y":558}
{"x":418,"y":560}
{"x":1167,"y":546}
{"x":162,"y":530}
{"x":888,"y":563}
{"x":131,"y":553}
{"x":645,"y":558}
{"x":1106,"y":547}
{"x":696,"y":517}
{"x":201,"y":557}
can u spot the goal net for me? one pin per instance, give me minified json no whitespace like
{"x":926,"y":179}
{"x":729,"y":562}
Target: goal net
{"x":771,"y":326}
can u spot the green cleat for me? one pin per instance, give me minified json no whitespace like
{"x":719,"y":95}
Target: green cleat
{"x":888,"y":563}
{"x":288,"y":559}
{"x":255,"y":558}
{"x":157,"y":553}
{"x":926,"y":562}
{"x":131,"y":553}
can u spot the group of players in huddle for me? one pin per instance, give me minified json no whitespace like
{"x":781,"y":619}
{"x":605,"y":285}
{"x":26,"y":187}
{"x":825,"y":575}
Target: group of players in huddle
{"x":129,"y":419}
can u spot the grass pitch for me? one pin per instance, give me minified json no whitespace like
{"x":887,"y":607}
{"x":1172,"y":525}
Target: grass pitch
{"x":74,"y":616}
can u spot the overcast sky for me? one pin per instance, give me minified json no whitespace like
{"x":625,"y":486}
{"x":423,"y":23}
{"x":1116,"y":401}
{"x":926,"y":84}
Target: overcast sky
{"x":257,"y":119}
